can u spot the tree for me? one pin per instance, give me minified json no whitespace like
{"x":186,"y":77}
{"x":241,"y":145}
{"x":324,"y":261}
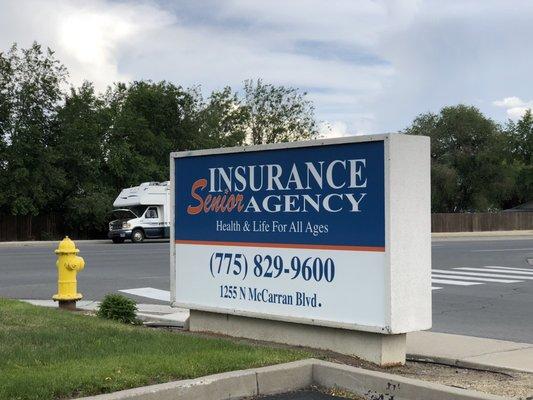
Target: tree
{"x":83,"y":125}
{"x":468,"y":167}
{"x":519,"y":152}
{"x":277,"y":113}
{"x":149,"y":120}
{"x":520,"y":138}
{"x":31,"y":94}
{"x":222,"y":121}
{"x":71,"y":152}
{"x":6,"y":105}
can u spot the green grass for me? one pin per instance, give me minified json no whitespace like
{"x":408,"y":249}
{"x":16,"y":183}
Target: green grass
{"x":51,"y":354}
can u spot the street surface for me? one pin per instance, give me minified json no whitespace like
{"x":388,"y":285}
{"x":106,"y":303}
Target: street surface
{"x":481,"y":288}
{"x":498,"y":303}
{"x":302,"y":395}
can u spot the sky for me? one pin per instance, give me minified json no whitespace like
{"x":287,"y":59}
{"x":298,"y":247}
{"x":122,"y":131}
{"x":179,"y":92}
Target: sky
{"x":369,"y":66}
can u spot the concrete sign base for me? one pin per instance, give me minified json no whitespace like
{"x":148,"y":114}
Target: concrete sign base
{"x":384,"y":350}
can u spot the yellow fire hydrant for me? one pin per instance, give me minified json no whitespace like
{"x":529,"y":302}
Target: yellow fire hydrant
{"x":68,"y":264}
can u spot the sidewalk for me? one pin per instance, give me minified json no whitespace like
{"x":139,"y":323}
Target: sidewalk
{"x":51,"y":243}
{"x":54,"y":243}
{"x":151,"y":314}
{"x":485,"y":235}
{"x":458,"y":350}
{"x":468,"y":351}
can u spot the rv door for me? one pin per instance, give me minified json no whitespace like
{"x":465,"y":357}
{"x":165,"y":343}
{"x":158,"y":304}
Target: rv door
{"x":153,"y":218}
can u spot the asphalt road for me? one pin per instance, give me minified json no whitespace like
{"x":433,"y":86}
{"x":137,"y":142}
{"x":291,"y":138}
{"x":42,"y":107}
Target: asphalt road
{"x":492,"y":298}
{"x":29,"y":272}
{"x":493,"y":309}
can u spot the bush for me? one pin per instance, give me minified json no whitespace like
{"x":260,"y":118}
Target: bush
{"x":118,"y":308}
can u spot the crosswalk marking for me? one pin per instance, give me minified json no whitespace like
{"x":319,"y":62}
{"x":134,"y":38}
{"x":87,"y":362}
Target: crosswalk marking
{"x":474,"y":278}
{"x":482,"y":274}
{"x":496,"y":269}
{"x":468,"y":276}
{"x":456,"y":283}
{"x":510,"y":268}
{"x":436,"y":287}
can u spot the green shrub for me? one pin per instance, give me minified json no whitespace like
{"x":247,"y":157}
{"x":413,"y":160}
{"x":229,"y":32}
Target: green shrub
{"x":119,"y":308}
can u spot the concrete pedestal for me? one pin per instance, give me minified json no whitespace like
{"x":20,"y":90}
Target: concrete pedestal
{"x":380,"y":349}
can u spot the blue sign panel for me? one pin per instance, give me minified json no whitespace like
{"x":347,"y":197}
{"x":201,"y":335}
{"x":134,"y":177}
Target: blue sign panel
{"x":329,"y":197}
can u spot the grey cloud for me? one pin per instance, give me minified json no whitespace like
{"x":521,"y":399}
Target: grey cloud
{"x":369,"y":65}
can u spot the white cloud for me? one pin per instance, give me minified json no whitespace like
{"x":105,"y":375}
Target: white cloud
{"x":508,"y":102}
{"x":89,"y":37}
{"x":338,"y":129}
{"x":515,"y":106}
{"x":335,"y":129}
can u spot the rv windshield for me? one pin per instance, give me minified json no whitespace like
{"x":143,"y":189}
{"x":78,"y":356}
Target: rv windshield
{"x":128,"y":213}
{"x":138,"y":210}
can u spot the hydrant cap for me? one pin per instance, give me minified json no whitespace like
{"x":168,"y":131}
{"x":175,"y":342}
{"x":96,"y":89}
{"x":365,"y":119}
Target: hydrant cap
{"x":66,"y":246}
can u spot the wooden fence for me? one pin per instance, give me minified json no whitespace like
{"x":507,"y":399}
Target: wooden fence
{"x":41,"y":227}
{"x":479,"y":222}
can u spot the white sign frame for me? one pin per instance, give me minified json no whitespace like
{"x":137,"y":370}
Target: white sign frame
{"x":407,"y":233}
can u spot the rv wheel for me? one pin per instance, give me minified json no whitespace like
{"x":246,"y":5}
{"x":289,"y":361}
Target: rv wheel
{"x":137,"y":236}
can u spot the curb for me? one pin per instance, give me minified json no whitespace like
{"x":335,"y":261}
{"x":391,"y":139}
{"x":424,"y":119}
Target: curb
{"x":228,"y":385}
{"x":374,"y":385}
{"x":297,"y":375}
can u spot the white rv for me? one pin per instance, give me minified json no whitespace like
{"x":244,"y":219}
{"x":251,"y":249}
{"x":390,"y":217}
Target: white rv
{"x":141,"y":212}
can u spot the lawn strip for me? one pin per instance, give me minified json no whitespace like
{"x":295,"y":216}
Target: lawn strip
{"x":52,"y":354}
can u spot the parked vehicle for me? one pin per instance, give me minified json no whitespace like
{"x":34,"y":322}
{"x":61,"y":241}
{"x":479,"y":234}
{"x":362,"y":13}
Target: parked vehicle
{"x":142,"y":212}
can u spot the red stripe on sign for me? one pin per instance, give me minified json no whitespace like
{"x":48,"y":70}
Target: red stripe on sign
{"x":283,"y":245}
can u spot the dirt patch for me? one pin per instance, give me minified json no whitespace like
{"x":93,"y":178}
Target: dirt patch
{"x":508,"y":384}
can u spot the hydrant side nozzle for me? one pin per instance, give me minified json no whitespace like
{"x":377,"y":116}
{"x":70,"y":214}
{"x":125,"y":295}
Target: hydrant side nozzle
{"x":77,"y":263}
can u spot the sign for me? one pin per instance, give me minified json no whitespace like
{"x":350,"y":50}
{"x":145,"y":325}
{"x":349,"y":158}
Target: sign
{"x":292,"y":232}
